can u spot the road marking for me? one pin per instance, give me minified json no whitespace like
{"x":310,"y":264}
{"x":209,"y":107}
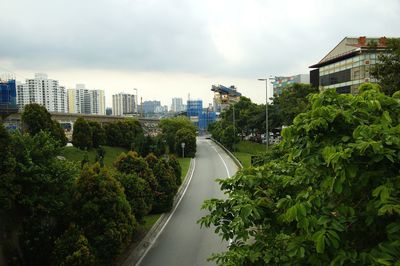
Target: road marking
{"x":169,"y":217}
{"x":226,"y":167}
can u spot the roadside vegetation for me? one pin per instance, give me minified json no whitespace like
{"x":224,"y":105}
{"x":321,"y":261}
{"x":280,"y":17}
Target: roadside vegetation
{"x":329,"y":193}
{"x":83,"y":205}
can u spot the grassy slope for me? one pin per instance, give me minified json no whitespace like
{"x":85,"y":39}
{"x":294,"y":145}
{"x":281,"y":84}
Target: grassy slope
{"x":245,"y":149}
{"x":184,"y":162}
{"x":75,"y":154}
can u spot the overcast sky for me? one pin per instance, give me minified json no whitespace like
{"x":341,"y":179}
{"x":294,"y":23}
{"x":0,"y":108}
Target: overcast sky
{"x":174,"y":48}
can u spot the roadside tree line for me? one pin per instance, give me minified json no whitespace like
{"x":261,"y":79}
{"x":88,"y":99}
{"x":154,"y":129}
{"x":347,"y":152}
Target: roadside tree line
{"x":248,"y":119}
{"x":57,"y":212}
{"x":329,"y":193}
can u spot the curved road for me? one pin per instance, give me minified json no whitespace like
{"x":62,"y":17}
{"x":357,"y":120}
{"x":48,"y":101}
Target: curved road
{"x":182,"y":241}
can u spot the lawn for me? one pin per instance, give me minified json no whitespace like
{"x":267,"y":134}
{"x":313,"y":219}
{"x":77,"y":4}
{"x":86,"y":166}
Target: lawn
{"x":184,"y":162}
{"x":245,"y":149}
{"x":75,"y":154}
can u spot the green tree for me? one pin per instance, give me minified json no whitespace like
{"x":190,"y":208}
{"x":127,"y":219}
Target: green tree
{"x":72,"y":248}
{"x":328,"y":195}
{"x":173,"y":162}
{"x":138,"y":193}
{"x":170,"y":127}
{"x":98,"y":134}
{"x":103,"y":213}
{"x":7,"y":166}
{"x":186,"y":136}
{"x":42,"y":190}
{"x":36,"y":118}
{"x":82,"y":137}
{"x":165,"y":176}
{"x":387,"y":69}
{"x":229,"y":137}
{"x":128,"y":134}
{"x":292,"y":102}
{"x":132,"y":163}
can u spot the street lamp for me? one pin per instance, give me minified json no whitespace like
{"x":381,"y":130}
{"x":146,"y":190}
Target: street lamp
{"x":136,"y":101}
{"x":266,"y":112}
{"x":183,"y":149}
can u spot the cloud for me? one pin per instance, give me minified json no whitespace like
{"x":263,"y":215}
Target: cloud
{"x":232,"y":38}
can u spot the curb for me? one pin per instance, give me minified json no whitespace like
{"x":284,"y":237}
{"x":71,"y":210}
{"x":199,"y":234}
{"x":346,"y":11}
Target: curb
{"x":233,"y":157}
{"x":141,"y":248}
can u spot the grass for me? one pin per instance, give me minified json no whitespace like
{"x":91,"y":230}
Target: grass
{"x":184,"y":162}
{"x":148,"y":222}
{"x":75,"y":154}
{"x":245,"y":149}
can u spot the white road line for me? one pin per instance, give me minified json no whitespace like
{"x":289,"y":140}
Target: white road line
{"x":169,"y":218}
{"x":226,"y":167}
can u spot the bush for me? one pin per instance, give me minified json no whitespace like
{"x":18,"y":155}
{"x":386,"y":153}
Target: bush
{"x":331,"y":194}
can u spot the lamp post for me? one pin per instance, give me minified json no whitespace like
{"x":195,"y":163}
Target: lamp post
{"x":266,"y":112}
{"x":183,"y":149}
{"x":136,"y":101}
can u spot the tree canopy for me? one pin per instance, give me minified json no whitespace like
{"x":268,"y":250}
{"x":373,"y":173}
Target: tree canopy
{"x":36,"y":118}
{"x":329,"y":194}
{"x":387,"y":68}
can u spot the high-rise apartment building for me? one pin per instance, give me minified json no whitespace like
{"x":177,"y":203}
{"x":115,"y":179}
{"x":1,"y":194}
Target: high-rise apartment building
{"x":177,"y":105}
{"x":43,"y":91}
{"x":280,"y":82}
{"x":84,"y":101}
{"x":123,"y":104}
{"x":150,"y":107}
{"x":348,"y":65}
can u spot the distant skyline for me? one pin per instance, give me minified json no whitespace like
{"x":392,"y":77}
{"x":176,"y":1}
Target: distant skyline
{"x":173,"y":48}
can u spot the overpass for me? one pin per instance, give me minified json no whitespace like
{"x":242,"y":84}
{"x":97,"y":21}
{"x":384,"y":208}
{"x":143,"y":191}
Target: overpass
{"x":67,"y":120}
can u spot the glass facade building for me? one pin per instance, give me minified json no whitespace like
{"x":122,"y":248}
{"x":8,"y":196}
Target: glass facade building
{"x":8,"y":96}
{"x":348,"y":65}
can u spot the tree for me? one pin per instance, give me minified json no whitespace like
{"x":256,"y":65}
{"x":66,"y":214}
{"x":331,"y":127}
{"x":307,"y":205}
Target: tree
{"x":292,"y":102}
{"x":138,"y":193}
{"x":82,"y":137}
{"x":229,"y":137}
{"x":167,"y":186}
{"x":174,"y":163}
{"x":170,"y":127}
{"x":98,"y":134}
{"x":72,"y":248}
{"x":40,"y":195}
{"x":128,"y":134}
{"x":387,"y":68}
{"x":186,"y":136}
{"x":7,"y":166}
{"x":36,"y":118}
{"x":329,"y":196}
{"x":102,"y":212}
{"x":132,"y":163}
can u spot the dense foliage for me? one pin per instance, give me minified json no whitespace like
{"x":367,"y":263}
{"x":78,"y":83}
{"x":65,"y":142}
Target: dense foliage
{"x":36,"y":118}
{"x":102,"y":212}
{"x":387,"y":69}
{"x":328,"y":195}
{"x":82,"y":136}
{"x":170,"y":128}
{"x":127,"y":134}
{"x":185,"y":135}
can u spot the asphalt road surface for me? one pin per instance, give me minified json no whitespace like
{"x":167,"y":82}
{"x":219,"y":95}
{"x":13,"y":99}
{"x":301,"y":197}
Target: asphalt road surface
{"x":182,"y":241}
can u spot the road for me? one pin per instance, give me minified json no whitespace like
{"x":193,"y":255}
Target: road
{"x":182,"y":241}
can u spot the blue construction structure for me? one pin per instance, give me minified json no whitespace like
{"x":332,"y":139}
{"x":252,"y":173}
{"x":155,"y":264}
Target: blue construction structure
{"x":8,"y":97}
{"x":200,"y":118}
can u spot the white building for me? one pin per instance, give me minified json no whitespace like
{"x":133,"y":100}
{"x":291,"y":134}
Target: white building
{"x":85,"y":101}
{"x":123,"y":104}
{"x":43,"y":91}
{"x":177,"y":105}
